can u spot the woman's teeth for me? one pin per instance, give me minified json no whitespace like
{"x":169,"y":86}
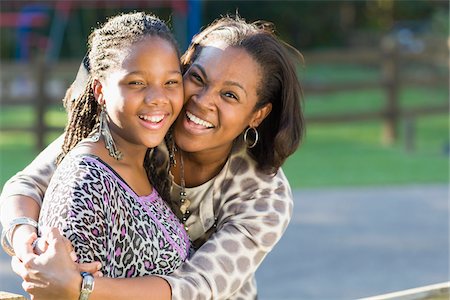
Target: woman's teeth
{"x":198,"y":121}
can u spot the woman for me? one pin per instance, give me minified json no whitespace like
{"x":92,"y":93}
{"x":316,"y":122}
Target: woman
{"x":240,"y":121}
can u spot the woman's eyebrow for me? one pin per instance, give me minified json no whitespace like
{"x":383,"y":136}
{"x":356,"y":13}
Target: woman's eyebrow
{"x":234,"y":83}
{"x":229,"y":82}
{"x":202,"y":70}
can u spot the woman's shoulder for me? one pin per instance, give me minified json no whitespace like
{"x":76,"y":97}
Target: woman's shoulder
{"x":241,"y":163}
{"x":242,"y":177}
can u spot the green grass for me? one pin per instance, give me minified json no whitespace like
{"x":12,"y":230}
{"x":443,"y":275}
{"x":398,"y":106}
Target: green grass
{"x":353,"y":155}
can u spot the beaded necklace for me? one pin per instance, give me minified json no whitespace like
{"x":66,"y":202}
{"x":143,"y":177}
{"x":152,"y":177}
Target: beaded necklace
{"x":185,"y":202}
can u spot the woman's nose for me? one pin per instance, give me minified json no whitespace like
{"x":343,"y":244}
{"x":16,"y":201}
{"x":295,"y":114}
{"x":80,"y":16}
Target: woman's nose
{"x":205,"y":99}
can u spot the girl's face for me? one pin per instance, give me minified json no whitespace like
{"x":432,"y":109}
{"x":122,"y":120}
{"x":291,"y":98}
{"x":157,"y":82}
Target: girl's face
{"x":221,"y":92}
{"x":144,"y":94}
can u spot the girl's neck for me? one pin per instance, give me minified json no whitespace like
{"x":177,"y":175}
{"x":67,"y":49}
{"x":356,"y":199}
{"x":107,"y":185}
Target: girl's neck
{"x":199,"y":167}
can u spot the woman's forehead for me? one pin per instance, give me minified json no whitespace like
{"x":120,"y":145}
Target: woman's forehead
{"x":225,"y":57}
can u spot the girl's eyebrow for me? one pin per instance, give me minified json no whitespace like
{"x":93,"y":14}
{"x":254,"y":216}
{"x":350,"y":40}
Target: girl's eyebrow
{"x":229,"y":82}
{"x":178,"y":72}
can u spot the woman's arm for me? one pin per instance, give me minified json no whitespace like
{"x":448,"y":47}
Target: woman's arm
{"x":250,"y":228}
{"x":22,"y":194}
{"x":250,"y":223}
{"x":33,"y":180}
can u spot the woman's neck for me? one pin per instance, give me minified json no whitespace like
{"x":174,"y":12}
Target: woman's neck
{"x":199,"y":167}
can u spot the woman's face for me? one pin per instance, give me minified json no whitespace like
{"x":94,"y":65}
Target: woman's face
{"x":144,"y":94}
{"x":220,"y":93}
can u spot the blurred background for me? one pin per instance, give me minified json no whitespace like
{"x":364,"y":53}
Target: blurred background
{"x":371,"y":178}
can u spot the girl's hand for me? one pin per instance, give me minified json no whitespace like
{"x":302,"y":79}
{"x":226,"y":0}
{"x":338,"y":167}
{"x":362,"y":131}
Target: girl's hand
{"x":53,"y":274}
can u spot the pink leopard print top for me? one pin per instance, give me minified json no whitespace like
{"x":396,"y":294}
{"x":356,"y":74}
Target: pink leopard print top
{"x":106,"y":221}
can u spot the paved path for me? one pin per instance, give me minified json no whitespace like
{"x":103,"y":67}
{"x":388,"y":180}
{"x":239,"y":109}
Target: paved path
{"x":350,"y":243}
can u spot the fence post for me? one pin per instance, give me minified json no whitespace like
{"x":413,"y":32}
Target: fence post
{"x":390,"y":73}
{"x":41,"y":101}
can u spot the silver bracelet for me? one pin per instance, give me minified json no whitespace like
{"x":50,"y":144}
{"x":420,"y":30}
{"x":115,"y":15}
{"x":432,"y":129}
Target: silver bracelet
{"x":87,"y":285}
{"x":7,"y":232}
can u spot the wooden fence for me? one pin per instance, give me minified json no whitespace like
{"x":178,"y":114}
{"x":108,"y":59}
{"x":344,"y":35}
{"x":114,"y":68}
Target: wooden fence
{"x":44,"y":85}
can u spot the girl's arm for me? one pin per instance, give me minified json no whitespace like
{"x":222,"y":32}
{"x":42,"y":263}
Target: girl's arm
{"x":22,"y":194}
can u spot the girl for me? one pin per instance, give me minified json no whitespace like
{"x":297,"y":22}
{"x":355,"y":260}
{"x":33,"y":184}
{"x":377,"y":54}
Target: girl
{"x":101,"y":196}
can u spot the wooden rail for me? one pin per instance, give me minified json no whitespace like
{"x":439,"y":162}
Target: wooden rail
{"x":439,"y":291}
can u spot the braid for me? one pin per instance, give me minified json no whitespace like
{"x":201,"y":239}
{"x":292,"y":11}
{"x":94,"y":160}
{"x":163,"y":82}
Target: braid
{"x":82,"y":119}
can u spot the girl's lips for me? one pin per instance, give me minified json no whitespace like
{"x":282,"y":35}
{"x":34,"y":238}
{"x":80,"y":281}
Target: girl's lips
{"x":153,"y":122}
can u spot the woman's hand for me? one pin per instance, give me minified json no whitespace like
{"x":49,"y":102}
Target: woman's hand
{"x":53,"y":274}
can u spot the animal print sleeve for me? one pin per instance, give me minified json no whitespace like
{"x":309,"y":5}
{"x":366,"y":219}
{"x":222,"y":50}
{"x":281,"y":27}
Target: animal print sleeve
{"x":249,"y":226}
{"x":73,"y":203}
{"x":34,"y":179}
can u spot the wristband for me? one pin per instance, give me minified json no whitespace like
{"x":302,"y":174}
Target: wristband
{"x":87,"y":285}
{"x":8,"y":231}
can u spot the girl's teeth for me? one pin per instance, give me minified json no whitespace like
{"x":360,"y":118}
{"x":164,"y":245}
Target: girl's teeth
{"x":154,"y":119}
{"x":198,"y":121}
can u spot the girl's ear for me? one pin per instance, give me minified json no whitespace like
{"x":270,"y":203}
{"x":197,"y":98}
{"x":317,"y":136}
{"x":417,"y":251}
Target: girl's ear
{"x":260,"y":115}
{"x":97,"y":88}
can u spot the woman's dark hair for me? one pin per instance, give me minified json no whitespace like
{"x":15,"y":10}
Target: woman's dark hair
{"x":107,"y":46}
{"x":282,"y":130}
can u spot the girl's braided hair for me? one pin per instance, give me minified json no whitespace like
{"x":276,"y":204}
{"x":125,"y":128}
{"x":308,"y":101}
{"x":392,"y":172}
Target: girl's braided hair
{"x":107,"y":47}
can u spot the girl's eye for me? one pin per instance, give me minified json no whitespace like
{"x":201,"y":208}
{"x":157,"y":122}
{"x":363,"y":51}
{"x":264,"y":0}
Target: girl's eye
{"x":136,"y":83}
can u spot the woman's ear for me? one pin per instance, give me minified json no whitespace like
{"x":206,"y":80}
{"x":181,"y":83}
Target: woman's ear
{"x":260,"y":115}
{"x":97,"y":88}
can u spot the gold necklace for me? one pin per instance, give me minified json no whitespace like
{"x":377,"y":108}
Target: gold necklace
{"x":185,"y":202}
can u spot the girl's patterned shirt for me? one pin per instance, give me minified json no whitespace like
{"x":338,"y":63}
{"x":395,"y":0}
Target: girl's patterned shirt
{"x":107,"y":221}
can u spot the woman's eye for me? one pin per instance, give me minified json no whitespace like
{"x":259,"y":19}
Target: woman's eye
{"x":230,"y":95}
{"x":172,"y":82}
{"x":196,"y":77}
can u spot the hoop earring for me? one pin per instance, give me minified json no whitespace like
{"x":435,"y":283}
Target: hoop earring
{"x":106,"y":133}
{"x":246,"y":141}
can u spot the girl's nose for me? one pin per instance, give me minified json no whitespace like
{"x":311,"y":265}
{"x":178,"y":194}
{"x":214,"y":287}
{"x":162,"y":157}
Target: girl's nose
{"x":155,"y":96}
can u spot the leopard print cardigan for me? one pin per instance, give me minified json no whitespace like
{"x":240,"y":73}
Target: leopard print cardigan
{"x":243,"y":220}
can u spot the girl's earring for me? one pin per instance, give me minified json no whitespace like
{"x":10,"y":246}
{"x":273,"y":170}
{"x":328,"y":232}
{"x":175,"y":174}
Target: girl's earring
{"x":106,"y":133}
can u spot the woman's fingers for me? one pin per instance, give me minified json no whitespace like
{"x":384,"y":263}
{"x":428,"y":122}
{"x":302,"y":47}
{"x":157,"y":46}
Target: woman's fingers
{"x":93,"y":267}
